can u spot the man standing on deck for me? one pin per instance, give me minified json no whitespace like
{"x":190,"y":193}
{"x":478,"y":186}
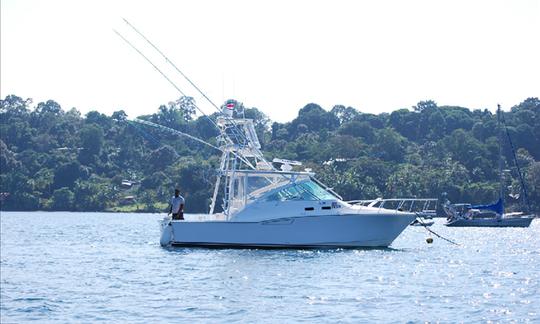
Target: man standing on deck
{"x":177,"y":206}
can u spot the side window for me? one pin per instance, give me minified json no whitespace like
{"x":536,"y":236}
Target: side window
{"x":294,"y":192}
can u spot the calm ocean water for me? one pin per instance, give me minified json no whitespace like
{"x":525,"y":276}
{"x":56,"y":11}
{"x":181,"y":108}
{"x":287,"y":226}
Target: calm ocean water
{"x":88,"y":267}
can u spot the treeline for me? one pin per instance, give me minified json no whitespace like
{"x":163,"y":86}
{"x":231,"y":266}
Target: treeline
{"x":52,"y":159}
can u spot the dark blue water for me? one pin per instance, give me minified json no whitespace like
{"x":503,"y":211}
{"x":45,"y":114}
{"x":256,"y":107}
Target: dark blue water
{"x":86,"y":267}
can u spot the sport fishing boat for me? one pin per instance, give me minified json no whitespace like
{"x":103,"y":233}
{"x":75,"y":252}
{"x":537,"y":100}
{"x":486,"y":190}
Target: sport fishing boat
{"x":268,"y":207}
{"x":491,"y":215}
{"x":263,"y":206}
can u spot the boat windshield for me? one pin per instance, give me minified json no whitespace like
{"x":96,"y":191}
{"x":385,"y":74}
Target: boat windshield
{"x":307,"y":190}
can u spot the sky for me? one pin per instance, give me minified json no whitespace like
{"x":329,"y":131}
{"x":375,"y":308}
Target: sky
{"x":278,"y":56}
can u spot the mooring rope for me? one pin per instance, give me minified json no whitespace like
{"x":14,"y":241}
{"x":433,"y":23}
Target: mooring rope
{"x":432,"y":232}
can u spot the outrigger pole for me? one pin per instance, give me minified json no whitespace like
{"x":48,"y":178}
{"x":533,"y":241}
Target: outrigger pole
{"x":174,"y":131}
{"x":177,"y":132}
{"x":231,"y":151}
{"x":171,"y":63}
{"x":163,"y":74}
{"x":179,"y":90}
{"x":187,"y":79}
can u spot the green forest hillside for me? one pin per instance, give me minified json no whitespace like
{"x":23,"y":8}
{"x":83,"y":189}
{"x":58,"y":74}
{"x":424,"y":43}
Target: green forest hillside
{"x":52,"y":159}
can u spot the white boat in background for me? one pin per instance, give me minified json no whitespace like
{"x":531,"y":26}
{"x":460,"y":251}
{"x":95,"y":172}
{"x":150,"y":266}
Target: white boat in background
{"x":424,"y":208}
{"x":491,"y":215}
{"x":421,"y":221}
{"x":268,"y":207}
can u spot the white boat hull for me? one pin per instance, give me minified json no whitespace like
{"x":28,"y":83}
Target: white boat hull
{"x":346,"y":231}
{"x":492,"y":222}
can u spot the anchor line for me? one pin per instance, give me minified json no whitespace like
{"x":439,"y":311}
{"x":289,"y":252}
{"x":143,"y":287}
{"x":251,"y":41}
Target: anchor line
{"x":432,"y":232}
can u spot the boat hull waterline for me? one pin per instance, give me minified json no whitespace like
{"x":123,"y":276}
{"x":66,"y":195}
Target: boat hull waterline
{"x":325,"y":231}
{"x":492,"y":222}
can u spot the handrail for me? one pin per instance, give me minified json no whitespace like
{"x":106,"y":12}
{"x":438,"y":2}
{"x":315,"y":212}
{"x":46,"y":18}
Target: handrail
{"x":400,"y":203}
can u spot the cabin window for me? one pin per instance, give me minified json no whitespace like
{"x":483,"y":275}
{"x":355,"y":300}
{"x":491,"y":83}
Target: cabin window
{"x":307,"y":190}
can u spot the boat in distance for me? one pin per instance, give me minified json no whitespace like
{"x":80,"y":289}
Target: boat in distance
{"x":424,"y":208}
{"x":492,"y":215}
{"x":467,"y":215}
{"x":268,"y":207}
{"x":492,"y":222}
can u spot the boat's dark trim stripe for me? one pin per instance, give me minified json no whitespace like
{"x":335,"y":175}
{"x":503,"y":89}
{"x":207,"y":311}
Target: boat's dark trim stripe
{"x":272,"y":246}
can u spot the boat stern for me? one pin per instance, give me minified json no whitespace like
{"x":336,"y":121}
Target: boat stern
{"x":166,"y":228}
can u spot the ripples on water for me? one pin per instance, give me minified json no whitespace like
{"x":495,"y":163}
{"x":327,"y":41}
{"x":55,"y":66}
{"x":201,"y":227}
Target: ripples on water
{"x":82,"y":267}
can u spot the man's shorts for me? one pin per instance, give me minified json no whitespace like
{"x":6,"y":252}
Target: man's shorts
{"x":179,"y":215}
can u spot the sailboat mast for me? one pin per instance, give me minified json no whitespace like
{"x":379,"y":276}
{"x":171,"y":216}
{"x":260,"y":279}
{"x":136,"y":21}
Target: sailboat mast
{"x":499,"y":130}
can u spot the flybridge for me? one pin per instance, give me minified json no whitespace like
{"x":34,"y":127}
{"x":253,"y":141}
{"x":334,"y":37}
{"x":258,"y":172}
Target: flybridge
{"x":237,"y":140}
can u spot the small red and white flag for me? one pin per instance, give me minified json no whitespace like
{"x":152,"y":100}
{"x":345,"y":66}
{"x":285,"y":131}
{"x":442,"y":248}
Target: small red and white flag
{"x":230,"y":105}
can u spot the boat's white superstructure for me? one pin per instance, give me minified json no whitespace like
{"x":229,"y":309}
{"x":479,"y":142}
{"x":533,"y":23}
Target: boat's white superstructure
{"x":268,"y":207}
